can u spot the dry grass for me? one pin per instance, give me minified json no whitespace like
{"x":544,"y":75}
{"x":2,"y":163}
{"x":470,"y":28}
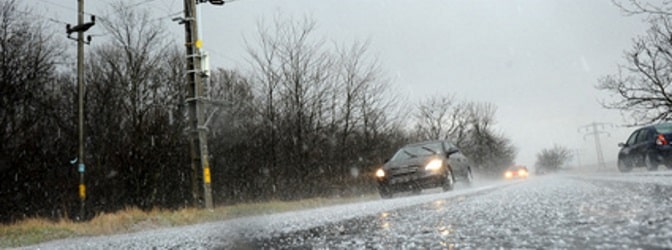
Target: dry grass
{"x":36,"y":230}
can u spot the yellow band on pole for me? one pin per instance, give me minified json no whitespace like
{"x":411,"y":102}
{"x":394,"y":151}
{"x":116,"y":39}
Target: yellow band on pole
{"x":206,"y":175}
{"x":82,"y":191}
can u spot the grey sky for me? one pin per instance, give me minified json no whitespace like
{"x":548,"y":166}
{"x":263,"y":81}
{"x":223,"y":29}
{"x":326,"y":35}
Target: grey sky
{"x":537,"y":61}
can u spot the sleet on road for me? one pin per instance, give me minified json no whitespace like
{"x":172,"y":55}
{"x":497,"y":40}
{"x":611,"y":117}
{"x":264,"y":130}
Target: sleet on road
{"x":614,"y":211}
{"x":595,"y":211}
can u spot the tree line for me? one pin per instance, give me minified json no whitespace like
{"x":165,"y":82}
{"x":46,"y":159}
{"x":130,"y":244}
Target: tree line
{"x":310,"y":118}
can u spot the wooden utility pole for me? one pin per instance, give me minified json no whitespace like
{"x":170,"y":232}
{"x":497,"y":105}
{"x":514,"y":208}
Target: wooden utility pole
{"x":197,"y":131}
{"x":80,"y":28}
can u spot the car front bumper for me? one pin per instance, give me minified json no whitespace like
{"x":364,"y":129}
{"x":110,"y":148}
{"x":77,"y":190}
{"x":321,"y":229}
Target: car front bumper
{"x":421,"y":180}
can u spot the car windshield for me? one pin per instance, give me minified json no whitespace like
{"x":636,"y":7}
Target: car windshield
{"x":412,"y":151}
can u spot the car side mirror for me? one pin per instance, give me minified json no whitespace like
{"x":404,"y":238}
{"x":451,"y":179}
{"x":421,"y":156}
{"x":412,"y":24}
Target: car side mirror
{"x":452,"y":151}
{"x":620,"y":144}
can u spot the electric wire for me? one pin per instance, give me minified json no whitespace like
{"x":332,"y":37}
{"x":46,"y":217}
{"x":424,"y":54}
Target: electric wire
{"x":65,"y":7}
{"x":51,"y":19}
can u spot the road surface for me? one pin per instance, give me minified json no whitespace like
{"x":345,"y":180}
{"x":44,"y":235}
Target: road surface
{"x":576,"y":211}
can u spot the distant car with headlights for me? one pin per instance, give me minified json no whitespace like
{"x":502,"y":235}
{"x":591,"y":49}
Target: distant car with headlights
{"x":423,"y":165}
{"x":516,"y":172}
{"x":649,"y":147}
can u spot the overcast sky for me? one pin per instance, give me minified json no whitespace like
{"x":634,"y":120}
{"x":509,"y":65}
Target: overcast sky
{"x":537,"y":61}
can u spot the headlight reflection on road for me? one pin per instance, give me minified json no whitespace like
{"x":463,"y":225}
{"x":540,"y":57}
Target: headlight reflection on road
{"x":439,"y":205}
{"x":384,"y":223}
{"x":447,"y":245}
{"x":444,"y":231}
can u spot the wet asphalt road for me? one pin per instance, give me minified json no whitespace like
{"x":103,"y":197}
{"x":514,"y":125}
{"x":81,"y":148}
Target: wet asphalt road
{"x":571,"y":211}
{"x":607,"y":211}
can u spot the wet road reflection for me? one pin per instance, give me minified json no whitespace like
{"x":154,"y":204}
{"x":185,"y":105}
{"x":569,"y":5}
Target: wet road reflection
{"x":548,"y":213}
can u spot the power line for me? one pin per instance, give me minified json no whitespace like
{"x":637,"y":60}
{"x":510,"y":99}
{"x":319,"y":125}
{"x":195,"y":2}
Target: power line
{"x":167,"y":16}
{"x":170,"y":7}
{"x":43,"y":17}
{"x":125,"y":8}
{"x":66,"y":7}
{"x":220,"y":55}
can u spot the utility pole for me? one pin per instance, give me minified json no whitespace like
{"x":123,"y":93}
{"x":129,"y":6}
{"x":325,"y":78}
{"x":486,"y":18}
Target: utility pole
{"x":197,"y":132}
{"x":80,"y":28}
{"x":595,"y":129}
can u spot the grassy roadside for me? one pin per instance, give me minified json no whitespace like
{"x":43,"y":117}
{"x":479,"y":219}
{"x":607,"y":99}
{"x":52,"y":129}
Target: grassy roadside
{"x":36,"y":230}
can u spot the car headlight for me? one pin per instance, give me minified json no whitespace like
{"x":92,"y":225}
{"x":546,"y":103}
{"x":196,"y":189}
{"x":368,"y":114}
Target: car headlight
{"x":508,"y":174}
{"x":380,"y":173}
{"x":434,"y":165}
{"x":522,"y":172}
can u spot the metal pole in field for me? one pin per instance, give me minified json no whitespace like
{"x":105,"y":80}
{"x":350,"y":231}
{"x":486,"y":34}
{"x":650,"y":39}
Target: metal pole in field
{"x":197,"y":134}
{"x":598,"y":147}
{"x":593,"y":130}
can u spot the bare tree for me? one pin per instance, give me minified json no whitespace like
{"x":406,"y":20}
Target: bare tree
{"x":638,"y":7}
{"x":323,"y":106}
{"x":442,"y":118}
{"x":446,"y":118}
{"x":233,"y":126}
{"x":296,"y":72}
{"x":28,"y":58}
{"x":267,"y":73}
{"x":642,"y":85}
{"x":356,"y":76}
{"x":135,"y":113}
{"x":469,"y":125}
{"x":489,"y":150}
{"x":35,"y":131}
{"x":553,"y":158}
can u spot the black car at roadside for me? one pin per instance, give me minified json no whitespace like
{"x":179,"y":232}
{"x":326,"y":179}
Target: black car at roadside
{"x":647,"y":147}
{"x":422,"y":165}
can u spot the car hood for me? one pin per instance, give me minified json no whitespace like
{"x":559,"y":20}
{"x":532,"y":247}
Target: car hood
{"x":415,"y":161}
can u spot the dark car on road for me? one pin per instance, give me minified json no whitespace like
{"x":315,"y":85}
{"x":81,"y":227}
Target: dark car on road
{"x":423,"y":165}
{"x":647,"y":147}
